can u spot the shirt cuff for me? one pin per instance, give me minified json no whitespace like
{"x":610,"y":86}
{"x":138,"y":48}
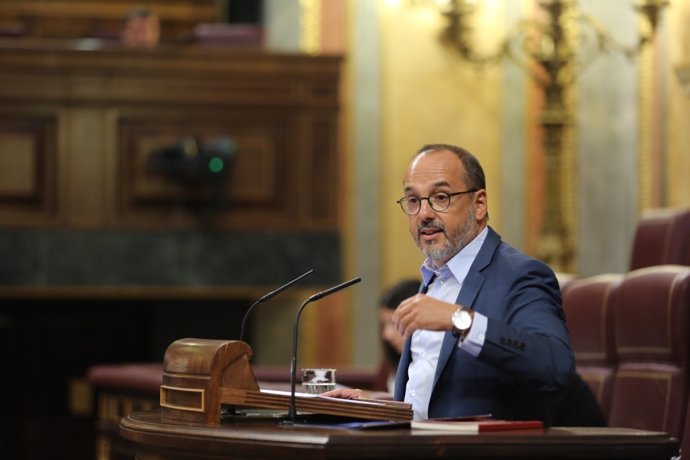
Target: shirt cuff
{"x":474,"y":341}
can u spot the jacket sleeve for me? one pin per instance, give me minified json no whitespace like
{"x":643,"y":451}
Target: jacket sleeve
{"x":526,"y":337}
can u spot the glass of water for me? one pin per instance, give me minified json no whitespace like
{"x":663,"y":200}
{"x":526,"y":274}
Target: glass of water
{"x":318,"y":380}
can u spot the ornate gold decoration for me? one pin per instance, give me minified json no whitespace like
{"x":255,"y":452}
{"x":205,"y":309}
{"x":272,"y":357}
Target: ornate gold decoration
{"x":645,"y":136}
{"x":552,"y":51}
{"x":310,"y":26}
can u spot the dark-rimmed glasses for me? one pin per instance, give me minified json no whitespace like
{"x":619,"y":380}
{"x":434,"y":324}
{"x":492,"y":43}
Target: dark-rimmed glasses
{"x":439,"y":201}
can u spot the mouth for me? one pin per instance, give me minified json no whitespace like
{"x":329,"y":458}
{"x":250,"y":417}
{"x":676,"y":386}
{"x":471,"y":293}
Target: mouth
{"x":429,"y":234}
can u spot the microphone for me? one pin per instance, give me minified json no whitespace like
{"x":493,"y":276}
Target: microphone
{"x":269,"y":296}
{"x":293,"y":365}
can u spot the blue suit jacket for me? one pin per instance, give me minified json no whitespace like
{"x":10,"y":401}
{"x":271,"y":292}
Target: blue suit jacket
{"x":526,"y":363}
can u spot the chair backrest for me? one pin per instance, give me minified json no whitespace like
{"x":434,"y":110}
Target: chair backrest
{"x":588,"y":306}
{"x":651,"y":329}
{"x":564,"y":280}
{"x":662,"y":237}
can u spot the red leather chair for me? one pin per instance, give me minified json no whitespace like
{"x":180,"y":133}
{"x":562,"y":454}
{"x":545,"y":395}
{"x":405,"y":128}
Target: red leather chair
{"x":588,"y":306}
{"x":651,"y":329}
{"x":662,"y":237}
{"x":564,"y":280}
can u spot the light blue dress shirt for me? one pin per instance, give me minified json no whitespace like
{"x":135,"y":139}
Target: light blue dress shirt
{"x":446,"y":283}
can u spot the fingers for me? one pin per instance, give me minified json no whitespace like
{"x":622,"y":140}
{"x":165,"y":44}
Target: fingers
{"x":346,"y":393}
{"x":408,"y":316}
{"x":422,"y":312}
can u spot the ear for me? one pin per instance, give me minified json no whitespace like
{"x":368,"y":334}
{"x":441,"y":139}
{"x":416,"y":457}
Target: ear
{"x":481,"y":205}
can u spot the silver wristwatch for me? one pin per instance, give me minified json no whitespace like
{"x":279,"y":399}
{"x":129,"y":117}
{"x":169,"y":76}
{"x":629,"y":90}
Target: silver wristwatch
{"x":461,"y":322}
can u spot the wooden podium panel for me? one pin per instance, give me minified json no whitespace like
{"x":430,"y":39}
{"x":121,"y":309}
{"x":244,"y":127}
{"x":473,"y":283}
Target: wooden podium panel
{"x":201,"y":375}
{"x":154,"y":439}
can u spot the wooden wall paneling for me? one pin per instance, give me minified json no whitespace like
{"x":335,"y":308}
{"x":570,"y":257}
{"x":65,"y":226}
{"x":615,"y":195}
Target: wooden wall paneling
{"x":110,"y":152}
{"x":119,"y":105}
{"x":87,"y":165}
{"x":19,"y":84}
{"x":236,"y":87}
{"x":28,"y":166}
{"x":324,"y":182}
{"x":104,"y":18}
{"x":261,"y":171}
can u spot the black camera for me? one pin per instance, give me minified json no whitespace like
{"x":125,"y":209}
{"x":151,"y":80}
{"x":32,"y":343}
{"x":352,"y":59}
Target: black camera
{"x":193,"y":162}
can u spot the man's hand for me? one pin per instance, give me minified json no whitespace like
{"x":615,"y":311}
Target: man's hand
{"x":347,"y":393}
{"x":423,"y":312}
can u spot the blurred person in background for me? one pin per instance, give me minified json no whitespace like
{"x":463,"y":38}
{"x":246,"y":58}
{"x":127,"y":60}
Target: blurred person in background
{"x":142,"y":28}
{"x":392,"y":341}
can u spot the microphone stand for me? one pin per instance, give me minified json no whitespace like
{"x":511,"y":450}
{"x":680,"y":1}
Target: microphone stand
{"x":292,"y":413}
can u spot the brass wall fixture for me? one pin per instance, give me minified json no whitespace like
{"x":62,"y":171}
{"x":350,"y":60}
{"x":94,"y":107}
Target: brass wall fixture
{"x":553,"y":48}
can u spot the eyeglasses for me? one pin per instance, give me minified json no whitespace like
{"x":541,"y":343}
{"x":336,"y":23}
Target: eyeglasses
{"x":439,"y":201}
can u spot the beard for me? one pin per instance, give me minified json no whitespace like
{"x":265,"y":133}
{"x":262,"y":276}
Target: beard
{"x":453,"y":243}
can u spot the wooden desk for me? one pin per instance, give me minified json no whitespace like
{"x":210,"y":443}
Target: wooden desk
{"x":267,"y":440}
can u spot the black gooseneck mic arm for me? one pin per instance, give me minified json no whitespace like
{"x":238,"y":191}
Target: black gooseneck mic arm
{"x":292,"y":414}
{"x":269,"y":296}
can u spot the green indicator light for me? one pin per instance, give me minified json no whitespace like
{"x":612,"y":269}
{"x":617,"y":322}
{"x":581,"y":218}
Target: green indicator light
{"x":215,"y":165}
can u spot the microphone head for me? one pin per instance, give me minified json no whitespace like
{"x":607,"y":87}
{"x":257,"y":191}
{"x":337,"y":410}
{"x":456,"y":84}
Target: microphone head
{"x":275,"y":292}
{"x":334,"y":289}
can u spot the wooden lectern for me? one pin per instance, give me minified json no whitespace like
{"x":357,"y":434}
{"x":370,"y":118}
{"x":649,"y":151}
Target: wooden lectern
{"x":201,"y":375}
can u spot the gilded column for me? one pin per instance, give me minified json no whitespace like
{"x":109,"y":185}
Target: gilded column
{"x":310,"y":26}
{"x":651,"y":95}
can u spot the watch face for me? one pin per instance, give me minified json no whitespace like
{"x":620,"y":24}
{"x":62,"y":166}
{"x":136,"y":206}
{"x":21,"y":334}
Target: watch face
{"x":462,"y":320}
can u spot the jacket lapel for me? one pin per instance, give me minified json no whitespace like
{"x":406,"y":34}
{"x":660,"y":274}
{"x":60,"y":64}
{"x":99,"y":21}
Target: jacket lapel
{"x":470,"y":289}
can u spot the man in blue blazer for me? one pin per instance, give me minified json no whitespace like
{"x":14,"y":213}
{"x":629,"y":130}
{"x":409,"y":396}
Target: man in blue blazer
{"x":486,"y":334}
